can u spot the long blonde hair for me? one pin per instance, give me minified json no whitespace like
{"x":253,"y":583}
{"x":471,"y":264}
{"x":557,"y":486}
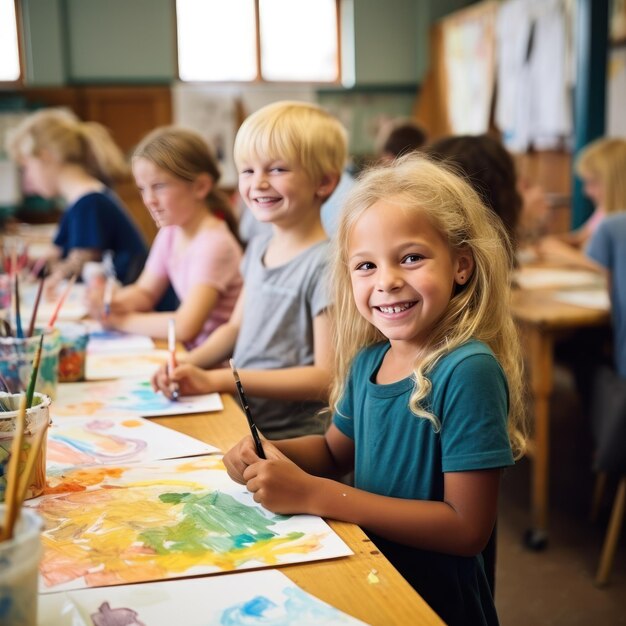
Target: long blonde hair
{"x":478,"y":310}
{"x":68,"y":140}
{"x":605,"y":159}
{"x":185,"y":154}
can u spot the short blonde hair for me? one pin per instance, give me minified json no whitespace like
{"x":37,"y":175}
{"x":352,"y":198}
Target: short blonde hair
{"x":297,"y":132}
{"x":478,"y":310}
{"x":605,"y":159}
{"x":68,"y":140}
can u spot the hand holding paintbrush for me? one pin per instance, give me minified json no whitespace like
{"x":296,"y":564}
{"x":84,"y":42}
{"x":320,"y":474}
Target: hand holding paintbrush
{"x":171,"y":347}
{"x":246,"y":409}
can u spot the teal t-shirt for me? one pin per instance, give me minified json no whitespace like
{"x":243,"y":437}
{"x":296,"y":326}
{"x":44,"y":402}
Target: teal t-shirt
{"x":401,"y":455}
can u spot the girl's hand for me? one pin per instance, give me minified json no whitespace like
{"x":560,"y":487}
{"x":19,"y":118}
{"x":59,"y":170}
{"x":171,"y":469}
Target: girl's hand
{"x":240,"y":456}
{"x":191,"y":380}
{"x":278,"y":483}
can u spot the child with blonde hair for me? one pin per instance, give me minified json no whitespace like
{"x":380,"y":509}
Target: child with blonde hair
{"x":601,"y":166}
{"x":79,"y":161}
{"x":195,"y":250}
{"x":426,"y":399}
{"x":290,"y":156}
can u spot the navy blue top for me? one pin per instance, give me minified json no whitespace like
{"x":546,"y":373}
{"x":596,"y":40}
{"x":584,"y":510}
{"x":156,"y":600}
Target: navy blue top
{"x":98,"y":221}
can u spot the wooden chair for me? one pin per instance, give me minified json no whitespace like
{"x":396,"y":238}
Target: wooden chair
{"x":609,"y":429}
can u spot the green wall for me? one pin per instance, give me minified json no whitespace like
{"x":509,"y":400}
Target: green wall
{"x":133,"y":41}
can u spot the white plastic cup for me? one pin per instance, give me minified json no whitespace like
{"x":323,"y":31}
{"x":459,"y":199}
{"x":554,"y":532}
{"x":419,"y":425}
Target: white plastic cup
{"x":19,"y":570}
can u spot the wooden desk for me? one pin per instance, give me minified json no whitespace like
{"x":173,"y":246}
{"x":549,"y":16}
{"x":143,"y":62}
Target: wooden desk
{"x":341,"y":582}
{"x":542,"y":319}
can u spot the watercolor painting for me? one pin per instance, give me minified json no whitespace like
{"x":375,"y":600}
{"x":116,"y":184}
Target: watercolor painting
{"x":94,"y":441}
{"x":142,"y":522}
{"x":107,"y":366}
{"x":263,"y":598}
{"x":124,"y":397}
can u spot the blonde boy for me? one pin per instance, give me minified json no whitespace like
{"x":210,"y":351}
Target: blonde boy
{"x":290,"y":156}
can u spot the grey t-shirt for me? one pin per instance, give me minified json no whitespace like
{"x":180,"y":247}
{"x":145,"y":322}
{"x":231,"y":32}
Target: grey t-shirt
{"x":277,"y":330}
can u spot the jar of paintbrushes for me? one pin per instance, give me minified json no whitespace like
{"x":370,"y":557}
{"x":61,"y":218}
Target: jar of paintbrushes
{"x":22,"y":475}
{"x":32,"y":442}
{"x":16,"y":359}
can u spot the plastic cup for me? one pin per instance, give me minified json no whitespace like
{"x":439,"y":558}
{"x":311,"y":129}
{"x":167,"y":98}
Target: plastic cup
{"x":74,"y":338}
{"x":37,"y":417}
{"x":16,"y":361}
{"x":19,"y":570}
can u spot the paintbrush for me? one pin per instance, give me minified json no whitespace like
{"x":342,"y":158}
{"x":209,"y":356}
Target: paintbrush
{"x":64,"y":295}
{"x":33,"y":318}
{"x":108,"y":295}
{"x":19,"y":333}
{"x":33,"y":453}
{"x":171,"y":347}
{"x":246,"y":410}
{"x":33,"y":375}
{"x":10,"y":495}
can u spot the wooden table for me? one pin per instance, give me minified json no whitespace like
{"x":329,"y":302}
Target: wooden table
{"x":341,"y":582}
{"x":541,"y":320}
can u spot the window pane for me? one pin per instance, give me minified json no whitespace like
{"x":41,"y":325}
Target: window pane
{"x":9,"y":51}
{"x":216,"y":39}
{"x":298,"y":40}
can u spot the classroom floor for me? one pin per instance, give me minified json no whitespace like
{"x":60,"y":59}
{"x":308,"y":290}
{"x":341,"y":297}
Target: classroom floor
{"x":555,"y":587}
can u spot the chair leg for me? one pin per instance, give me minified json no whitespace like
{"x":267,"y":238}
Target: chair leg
{"x":598,"y":492}
{"x":612,"y":535}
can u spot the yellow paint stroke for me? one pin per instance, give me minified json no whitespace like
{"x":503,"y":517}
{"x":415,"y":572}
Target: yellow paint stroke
{"x":97,"y":536}
{"x":131,"y":423}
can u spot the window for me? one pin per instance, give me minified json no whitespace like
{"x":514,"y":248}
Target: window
{"x":245,"y":40}
{"x":9,"y":46}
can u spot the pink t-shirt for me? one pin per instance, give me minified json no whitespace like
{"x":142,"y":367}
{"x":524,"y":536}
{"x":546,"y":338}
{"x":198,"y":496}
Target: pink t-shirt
{"x":212,"y":258}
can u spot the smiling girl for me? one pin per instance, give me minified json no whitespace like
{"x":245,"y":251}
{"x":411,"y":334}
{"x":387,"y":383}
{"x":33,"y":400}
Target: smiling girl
{"x":426,"y":400}
{"x":195,"y":249}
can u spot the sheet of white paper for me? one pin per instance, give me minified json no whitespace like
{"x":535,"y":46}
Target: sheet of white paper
{"x":126,"y":396}
{"x":264,"y":598}
{"x":590,"y":299}
{"x":97,"y":441}
{"x":106,"y":341}
{"x":109,"y":365}
{"x":543,"y":278}
{"x":140,"y":522}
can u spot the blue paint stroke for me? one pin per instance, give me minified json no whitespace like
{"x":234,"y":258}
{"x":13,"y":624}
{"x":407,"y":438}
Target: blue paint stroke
{"x":298,"y":609}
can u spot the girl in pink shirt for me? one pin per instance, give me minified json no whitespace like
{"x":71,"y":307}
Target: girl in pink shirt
{"x":195,"y":250}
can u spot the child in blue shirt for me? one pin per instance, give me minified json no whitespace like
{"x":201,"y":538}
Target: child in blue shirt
{"x":426,"y":400}
{"x":78,"y":161}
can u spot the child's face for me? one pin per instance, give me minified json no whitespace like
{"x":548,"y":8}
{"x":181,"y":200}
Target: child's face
{"x":276,"y":190}
{"x":40,"y":175}
{"x":170,"y":200}
{"x":594,"y":189}
{"x":403,"y":272}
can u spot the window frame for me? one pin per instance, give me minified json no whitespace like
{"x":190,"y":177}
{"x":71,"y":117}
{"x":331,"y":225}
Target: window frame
{"x":19,"y":81}
{"x":258,"y":79}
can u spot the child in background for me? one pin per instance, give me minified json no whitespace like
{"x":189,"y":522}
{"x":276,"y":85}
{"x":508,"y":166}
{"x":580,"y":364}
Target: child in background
{"x":289,"y":156}
{"x":601,"y":166}
{"x":426,"y":400}
{"x":489,"y":168}
{"x":62,"y":156}
{"x":194,"y":249}
{"x":399,"y":138}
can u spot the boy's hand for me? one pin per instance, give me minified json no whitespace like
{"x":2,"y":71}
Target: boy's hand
{"x":191,"y":380}
{"x":242,"y":454}
{"x":278,"y":483}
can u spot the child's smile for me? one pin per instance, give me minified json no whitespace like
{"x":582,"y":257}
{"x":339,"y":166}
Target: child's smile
{"x":403,"y":271}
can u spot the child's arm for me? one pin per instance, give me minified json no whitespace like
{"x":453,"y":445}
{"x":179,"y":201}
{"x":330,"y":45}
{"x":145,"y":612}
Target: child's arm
{"x":460,"y":525}
{"x":294,"y":383}
{"x":190,"y":315}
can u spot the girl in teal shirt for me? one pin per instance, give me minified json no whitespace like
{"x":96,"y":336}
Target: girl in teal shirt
{"x":426,"y":401}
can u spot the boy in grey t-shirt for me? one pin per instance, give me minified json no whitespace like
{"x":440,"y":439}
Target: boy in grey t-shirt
{"x":290,"y":156}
